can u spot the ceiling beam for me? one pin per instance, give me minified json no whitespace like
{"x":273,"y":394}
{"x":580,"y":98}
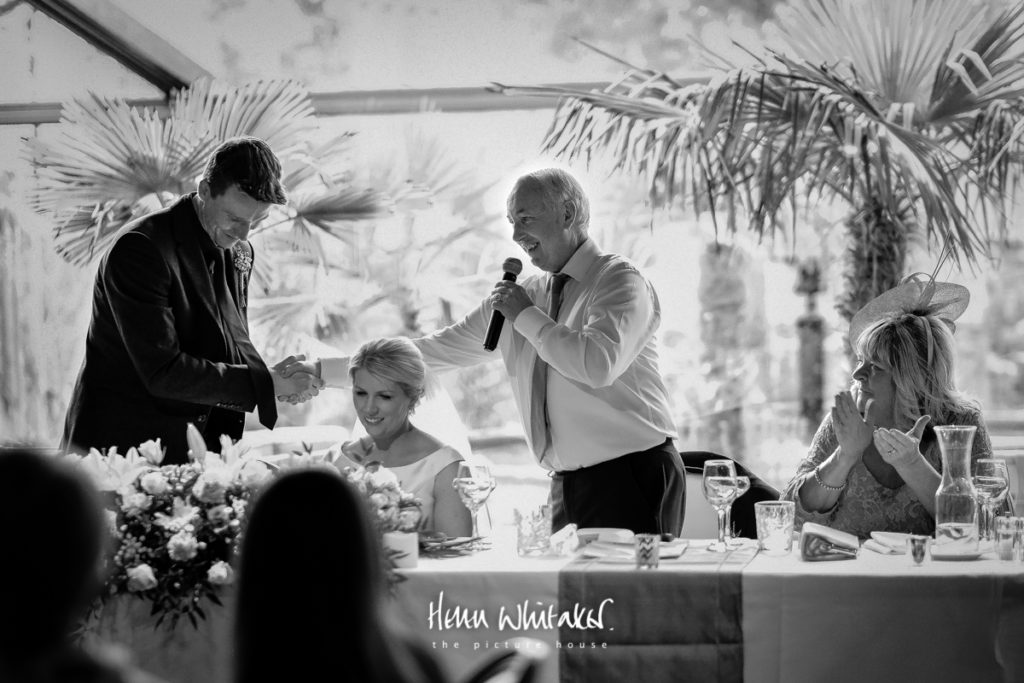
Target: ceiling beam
{"x":111,"y":30}
{"x":347,"y":103}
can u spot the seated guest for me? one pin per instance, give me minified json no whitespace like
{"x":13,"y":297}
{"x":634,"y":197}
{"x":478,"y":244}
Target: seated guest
{"x":54,"y":535}
{"x":311,"y":590}
{"x":874,"y":463}
{"x":388,"y":380}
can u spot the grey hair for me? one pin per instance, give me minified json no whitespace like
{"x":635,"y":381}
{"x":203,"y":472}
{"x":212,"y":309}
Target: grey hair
{"x":557,"y":188}
{"x":393,"y":359}
{"x":918,"y":351}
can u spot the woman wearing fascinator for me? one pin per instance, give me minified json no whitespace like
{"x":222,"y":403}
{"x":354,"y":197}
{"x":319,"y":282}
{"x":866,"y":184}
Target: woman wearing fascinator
{"x":388,"y":382}
{"x":874,"y":463}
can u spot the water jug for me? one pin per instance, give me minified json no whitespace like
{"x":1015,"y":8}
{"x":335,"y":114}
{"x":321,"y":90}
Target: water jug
{"x":956,"y":508}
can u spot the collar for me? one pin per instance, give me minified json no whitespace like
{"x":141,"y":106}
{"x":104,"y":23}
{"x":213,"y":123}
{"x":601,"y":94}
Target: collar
{"x":582,"y":260}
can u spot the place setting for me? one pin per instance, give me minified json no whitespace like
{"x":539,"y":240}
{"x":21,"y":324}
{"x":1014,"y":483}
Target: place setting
{"x":474,"y":483}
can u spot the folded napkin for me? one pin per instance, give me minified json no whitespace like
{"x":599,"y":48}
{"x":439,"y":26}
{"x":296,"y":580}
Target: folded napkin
{"x":887,"y":542}
{"x":624,"y":552}
{"x":819,"y":542}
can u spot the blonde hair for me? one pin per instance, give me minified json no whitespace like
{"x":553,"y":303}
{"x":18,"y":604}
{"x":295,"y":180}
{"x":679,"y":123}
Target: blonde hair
{"x":393,"y":359}
{"x":917,"y":350}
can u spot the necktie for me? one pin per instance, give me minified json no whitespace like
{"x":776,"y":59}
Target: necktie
{"x":239,"y":335}
{"x":540,"y":425}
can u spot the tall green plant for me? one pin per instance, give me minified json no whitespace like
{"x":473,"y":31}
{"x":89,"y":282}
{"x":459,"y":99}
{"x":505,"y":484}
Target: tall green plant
{"x":909,"y":111}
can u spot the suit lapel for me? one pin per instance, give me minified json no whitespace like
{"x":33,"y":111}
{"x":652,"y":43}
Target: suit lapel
{"x":193,"y":262}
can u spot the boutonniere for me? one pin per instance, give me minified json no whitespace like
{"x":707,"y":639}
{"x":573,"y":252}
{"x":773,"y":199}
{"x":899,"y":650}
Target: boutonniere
{"x":243,"y":260}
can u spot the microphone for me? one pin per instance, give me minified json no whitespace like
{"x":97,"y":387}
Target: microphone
{"x":512,"y":268}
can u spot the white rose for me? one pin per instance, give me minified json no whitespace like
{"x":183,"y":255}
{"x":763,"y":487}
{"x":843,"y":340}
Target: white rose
{"x":219,"y":515}
{"x":220,"y":574}
{"x":140,"y":578}
{"x":152,"y":452}
{"x":135,"y":502}
{"x":154,"y":483}
{"x":182,"y":547}
{"x":409,"y":518}
{"x":253,"y":474}
{"x":383,"y":478}
{"x":211,"y":486}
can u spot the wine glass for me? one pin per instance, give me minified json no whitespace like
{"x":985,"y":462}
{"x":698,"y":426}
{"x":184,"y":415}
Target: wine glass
{"x":991,"y":483}
{"x":742,"y":486}
{"x":474,"y":484}
{"x":720,"y":488}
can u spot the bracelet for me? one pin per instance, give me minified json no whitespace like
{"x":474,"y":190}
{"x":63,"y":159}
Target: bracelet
{"x":822,"y":484}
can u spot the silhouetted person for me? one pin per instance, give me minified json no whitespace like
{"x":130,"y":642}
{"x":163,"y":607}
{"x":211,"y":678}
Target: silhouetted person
{"x":312,"y":588}
{"x":54,"y":535}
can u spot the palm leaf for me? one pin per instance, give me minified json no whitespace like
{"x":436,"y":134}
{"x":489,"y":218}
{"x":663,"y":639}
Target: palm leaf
{"x":278,"y":111}
{"x":109,"y":156}
{"x":848,"y":117}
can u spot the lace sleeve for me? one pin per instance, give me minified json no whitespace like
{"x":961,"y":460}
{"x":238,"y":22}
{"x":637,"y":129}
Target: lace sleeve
{"x":823,"y":445}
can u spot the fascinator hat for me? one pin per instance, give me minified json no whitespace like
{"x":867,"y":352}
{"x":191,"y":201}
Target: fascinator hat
{"x":918,"y":294}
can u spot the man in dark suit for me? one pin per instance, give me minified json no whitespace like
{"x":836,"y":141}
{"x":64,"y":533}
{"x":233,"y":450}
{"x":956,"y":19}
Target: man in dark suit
{"x":169,"y":343}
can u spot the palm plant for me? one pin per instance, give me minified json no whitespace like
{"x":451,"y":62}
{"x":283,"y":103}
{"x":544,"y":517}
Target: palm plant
{"x":909,"y":111}
{"x":111,"y":163}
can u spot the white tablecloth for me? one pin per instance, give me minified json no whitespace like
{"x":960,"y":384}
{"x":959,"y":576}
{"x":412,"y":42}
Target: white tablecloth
{"x":875,"y":618}
{"x":878,"y":618}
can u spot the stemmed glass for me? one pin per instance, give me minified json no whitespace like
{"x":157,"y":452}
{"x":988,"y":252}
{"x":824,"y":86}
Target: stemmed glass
{"x":720,"y":487}
{"x":474,"y":484}
{"x":742,"y":486}
{"x":992,"y":483}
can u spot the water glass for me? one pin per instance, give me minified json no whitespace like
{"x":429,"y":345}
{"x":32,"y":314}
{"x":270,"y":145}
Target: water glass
{"x":916,"y":547}
{"x":991,"y":483}
{"x":720,"y":488}
{"x":648,"y":550}
{"x":533,"y":531}
{"x":1006,"y":538}
{"x":1009,"y":532}
{"x":775,"y":525}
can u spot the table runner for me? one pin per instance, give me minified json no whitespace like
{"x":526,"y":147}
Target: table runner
{"x":677,"y":623}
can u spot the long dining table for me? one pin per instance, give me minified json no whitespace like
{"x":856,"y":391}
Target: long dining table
{"x":736,"y":616}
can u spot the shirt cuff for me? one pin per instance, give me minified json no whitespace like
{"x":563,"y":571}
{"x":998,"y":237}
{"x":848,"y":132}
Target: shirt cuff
{"x":334,"y":372}
{"x":530,"y":322}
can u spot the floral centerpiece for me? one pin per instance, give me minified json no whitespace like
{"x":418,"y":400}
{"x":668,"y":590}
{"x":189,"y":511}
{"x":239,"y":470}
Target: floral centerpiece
{"x":176,"y":529}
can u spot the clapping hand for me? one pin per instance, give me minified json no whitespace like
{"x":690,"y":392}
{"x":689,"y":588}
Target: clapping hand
{"x":900,"y":449}
{"x":293,"y":382}
{"x":853,"y":431}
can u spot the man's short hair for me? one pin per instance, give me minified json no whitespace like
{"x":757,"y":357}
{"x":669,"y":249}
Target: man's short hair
{"x":558,"y":187}
{"x":250,"y":164}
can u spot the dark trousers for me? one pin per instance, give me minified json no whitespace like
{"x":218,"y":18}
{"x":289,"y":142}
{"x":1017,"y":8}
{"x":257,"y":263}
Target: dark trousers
{"x":643,"y":491}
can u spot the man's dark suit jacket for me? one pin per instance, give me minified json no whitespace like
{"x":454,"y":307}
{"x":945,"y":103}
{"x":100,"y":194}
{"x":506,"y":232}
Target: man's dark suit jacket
{"x":161,"y":352}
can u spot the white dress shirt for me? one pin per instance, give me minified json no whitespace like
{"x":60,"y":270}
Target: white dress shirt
{"x":605,"y":394}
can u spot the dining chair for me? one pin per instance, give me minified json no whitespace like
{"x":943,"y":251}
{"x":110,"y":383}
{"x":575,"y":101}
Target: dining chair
{"x":519,"y":663}
{"x":743,"y":522}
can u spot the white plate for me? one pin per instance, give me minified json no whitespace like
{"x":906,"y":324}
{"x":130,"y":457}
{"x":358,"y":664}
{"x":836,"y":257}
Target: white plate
{"x":607,"y":534}
{"x":896,"y":542}
{"x":617,"y":552}
{"x":955,"y":558}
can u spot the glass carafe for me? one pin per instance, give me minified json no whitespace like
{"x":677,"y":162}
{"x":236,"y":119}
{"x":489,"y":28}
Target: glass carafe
{"x":956,"y":507}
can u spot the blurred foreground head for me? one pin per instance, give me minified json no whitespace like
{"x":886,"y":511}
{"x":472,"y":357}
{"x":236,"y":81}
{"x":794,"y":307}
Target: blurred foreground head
{"x":52,"y":544}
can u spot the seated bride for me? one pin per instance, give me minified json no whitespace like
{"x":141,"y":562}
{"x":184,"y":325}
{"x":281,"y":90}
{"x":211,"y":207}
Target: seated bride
{"x":388,"y":382}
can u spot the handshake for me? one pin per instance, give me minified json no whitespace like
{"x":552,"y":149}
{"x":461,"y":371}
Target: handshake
{"x":296,"y":380}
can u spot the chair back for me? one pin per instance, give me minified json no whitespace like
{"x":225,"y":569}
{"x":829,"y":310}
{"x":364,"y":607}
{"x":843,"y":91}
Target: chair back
{"x":520,"y":662}
{"x":743,"y":521}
